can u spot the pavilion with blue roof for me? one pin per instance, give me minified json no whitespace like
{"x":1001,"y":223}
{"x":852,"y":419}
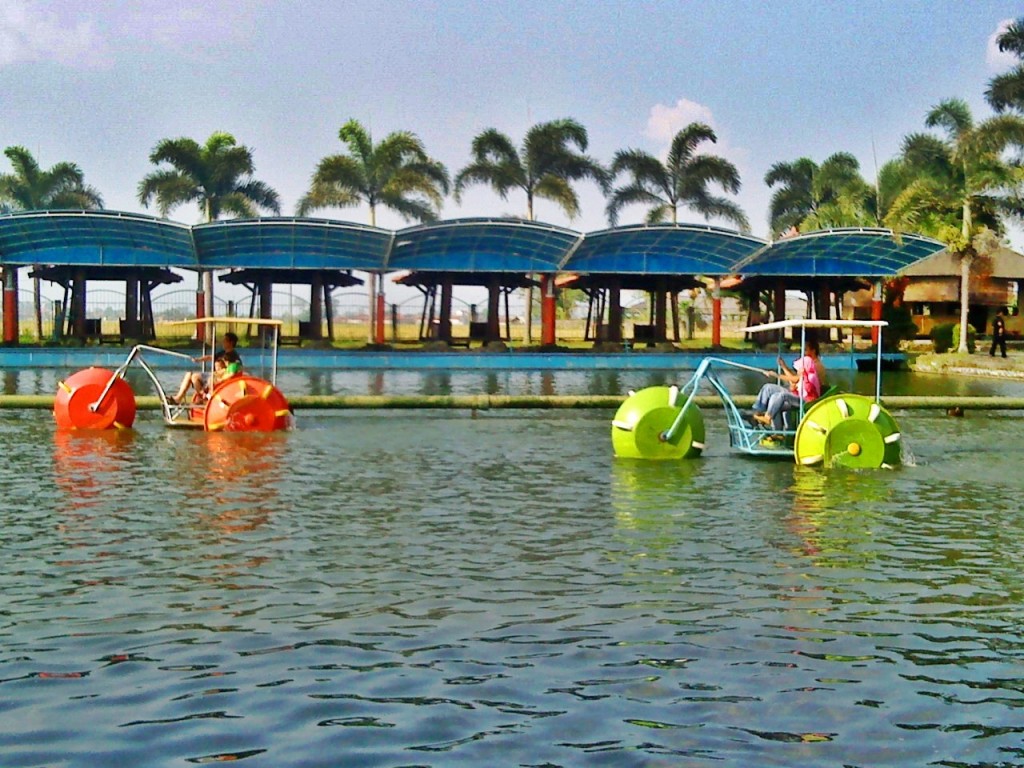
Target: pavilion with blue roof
{"x":495,"y":252}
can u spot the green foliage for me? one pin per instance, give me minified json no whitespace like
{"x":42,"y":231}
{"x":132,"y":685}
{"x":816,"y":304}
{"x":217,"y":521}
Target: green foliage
{"x":30,"y":188}
{"x":396,"y":173}
{"x":812,"y":196}
{"x":217,"y":176}
{"x":549,"y":160}
{"x":901,"y":326}
{"x":1006,"y":91}
{"x":971,"y":334}
{"x":942,"y":337}
{"x":681,"y":181}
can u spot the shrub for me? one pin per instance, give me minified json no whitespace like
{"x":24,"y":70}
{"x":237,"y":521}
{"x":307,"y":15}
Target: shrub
{"x":901,"y":326}
{"x":971,"y":334}
{"x":942,"y":337}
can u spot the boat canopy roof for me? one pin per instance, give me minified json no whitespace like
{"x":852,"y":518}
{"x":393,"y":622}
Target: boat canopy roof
{"x":815,"y":323}
{"x":227,"y":321}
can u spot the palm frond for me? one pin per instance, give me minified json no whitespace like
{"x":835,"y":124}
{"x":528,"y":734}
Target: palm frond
{"x":260,"y":195}
{"x":636,"y":193}
{"x":953,"y":115}
{"x":1006,"y":91}
{"x":170,"y":188}
{"x":1012,"y":38}
{"x":711,"y":207}
{"x":559,"y":191}
{"x":502,"y":178}
{"x":353,"y":134}
{"x":658,"y":214}
{"x":685,"y":143}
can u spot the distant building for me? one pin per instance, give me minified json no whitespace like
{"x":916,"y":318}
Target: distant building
{"x":933,"y":292}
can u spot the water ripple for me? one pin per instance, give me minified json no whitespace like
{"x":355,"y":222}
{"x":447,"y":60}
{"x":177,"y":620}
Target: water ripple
{"x":423,"y":589}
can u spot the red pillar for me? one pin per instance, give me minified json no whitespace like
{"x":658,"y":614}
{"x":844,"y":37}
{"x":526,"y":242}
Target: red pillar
{"x":11,"y":305}
{"x":379,"y":327}
{"x":876,"y":309}
{"x":716,"y":313}
{"x":547,"y":310}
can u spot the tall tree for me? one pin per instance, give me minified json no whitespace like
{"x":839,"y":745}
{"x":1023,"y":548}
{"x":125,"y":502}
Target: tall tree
{"x":545,"y":165}
{"x":30,"y":188}
{"x":816,"y":196}
{"x":681,"y":181}
{"x":960,"y":180}
{"x":395,"y":173}
{"x":1006,"y":91}
{"x":217,"y":176}
{"x":550,"y":158}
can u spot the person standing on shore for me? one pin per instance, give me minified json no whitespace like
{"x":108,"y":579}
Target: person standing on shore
{"x":998,"y":333}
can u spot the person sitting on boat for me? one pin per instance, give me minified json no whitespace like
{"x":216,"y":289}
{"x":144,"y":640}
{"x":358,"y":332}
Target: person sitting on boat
{"x":226,"y":363}
{"x":774,"y":399}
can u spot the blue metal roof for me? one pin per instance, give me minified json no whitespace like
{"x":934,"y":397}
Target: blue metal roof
{"x":481,"y":245}
{"x":853,"y":252}
{"x":662,"y":249}
{"x":290,"y":243}
{"x":94,"y":238}
{"x":109,"y":238}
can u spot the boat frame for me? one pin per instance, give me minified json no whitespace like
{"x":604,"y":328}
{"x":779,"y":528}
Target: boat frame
{"x":752,"y":438}
{"x":188,"y":415}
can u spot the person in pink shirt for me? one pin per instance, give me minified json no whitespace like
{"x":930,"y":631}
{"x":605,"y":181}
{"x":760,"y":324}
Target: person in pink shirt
{"x":804,"y":384}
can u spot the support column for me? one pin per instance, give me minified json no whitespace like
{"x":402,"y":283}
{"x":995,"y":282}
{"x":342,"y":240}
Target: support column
{"x":876,"y":308}
{"x":201,"y":309}
{"x":444,"y":322}
{"x":380,"y":325}
{"x":78,"y":304}
{"x":208,"y":290}
{"x":716,"y":313}
{"x":615,"y":312}
{"x":547,"y":311}
{"x":131,"y":308}
{"x":316,"y":312}
{"x":266,"y":293}
{"x":779,"y":310}
{"x":660,"y":312}
{"x":11,"y":331}
{"x":329,"y":310}
{"x":493,"y":310}
{"x":372,"y":285}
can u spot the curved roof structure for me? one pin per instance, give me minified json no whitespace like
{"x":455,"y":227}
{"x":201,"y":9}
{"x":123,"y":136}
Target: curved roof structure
{"x":290,"y":243}
{"x":500,"y":245}
{"x":662,"y":249}
{"x":481,"y":245}
{"x":850,"y":252}
{"x":94,"y":238}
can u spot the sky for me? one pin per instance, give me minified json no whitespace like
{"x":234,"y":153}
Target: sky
{"x":101,"y":83}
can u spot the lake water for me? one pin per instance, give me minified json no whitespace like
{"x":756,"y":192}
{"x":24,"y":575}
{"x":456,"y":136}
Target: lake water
{"x":405,"y":382}
{"x":434,"y":589}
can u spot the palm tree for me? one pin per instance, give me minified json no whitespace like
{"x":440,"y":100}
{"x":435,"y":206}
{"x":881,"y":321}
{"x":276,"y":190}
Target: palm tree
{"x":1006,"y":91}
{"x":959,"y":181}
{"x":396,"y":173}
{"x":544,"y":166}
{"x":217,"y":176}
{"x":682,"y":180}
{"x":30,"y":188}
{"x":812,"y":196}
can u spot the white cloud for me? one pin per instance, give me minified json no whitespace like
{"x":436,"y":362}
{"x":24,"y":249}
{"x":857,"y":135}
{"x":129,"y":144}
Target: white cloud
{"x":30,"y":32}
{"x":664,"y":122}
{"x":999,"y":60}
